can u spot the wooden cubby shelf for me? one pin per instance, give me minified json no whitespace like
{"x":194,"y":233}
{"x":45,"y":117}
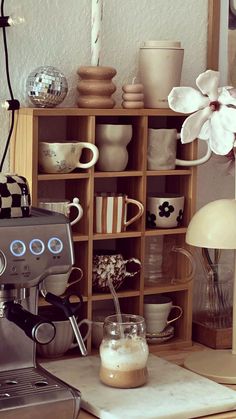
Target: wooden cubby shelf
{"x":74,"y":124}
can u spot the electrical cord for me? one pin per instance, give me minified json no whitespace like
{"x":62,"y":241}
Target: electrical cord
{"x":10,"y":90}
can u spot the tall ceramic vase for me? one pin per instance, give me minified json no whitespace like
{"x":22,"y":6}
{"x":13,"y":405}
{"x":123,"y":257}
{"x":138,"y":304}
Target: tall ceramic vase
{"x":160,"y":66}
{"x":95,"y":87}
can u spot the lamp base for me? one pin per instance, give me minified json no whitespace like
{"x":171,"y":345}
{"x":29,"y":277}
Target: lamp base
{"x":218,"y":365}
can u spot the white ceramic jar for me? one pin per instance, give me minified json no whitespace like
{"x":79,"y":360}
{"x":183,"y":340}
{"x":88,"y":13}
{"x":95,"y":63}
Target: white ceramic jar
{"x":160,"y":66}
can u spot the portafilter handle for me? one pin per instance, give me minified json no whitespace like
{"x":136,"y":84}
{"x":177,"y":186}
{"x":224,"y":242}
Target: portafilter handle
{"x":36,"y":328}
{"x":64,"y":304}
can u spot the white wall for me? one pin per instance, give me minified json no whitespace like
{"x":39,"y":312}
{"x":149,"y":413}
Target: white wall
{"x":57,"y":32}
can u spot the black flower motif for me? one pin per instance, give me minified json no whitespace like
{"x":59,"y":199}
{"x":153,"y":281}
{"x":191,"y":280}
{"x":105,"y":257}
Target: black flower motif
{"x":180,"y":217}
{"x":165,"y":209}
{"x":150,"y":220}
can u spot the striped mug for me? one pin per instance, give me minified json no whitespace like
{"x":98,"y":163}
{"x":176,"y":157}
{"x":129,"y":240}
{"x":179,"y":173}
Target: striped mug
{"x":111,"y":212}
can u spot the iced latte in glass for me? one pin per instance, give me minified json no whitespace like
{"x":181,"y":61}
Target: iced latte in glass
{"x":124,"y":351}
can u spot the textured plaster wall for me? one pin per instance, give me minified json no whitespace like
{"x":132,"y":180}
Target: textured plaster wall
{"x":57,"y":33}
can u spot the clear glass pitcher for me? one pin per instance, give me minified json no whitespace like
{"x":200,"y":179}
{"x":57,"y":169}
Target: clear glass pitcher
{"x":124,"y":351}
{"x":156,"y":269}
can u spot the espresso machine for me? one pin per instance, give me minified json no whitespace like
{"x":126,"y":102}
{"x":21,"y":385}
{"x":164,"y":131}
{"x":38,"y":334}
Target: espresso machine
{"x":31,"y":248}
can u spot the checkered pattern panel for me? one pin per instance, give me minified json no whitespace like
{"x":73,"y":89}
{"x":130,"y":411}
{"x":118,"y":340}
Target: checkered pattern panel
{"x":14,"y":197}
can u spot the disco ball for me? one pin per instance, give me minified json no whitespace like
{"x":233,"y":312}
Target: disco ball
{"x":46,"y":87}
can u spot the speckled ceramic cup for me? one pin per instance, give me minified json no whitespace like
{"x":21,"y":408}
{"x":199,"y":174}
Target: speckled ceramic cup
{"x":64,"y":157}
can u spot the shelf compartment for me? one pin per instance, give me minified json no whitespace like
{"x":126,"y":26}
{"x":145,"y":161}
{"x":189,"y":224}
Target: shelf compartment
{"x":129,"y":249}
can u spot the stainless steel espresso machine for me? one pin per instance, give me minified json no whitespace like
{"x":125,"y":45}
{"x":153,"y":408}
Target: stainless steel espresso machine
{"x":31,"y":248}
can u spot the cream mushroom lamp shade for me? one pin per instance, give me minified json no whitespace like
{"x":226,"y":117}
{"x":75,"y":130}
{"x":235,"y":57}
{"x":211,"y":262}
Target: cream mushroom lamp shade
{"x":214,"y":226}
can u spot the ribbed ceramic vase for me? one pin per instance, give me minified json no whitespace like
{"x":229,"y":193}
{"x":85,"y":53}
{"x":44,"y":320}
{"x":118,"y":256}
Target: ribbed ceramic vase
{"x":95,"y":87}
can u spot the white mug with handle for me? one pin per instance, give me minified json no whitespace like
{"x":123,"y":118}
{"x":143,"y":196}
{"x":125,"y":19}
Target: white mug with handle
{"x":63,"y":206}
{"x":63,"y":340}
{"x":162,"y":146}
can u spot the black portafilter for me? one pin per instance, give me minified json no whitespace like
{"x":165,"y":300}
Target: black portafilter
{"x":35,"y":327}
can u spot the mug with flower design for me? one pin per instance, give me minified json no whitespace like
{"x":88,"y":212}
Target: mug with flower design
{"x":165,"y":211}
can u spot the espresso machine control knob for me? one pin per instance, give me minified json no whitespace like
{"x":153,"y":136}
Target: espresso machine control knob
{"x":43,"y":332}
{"x":35,"y":327}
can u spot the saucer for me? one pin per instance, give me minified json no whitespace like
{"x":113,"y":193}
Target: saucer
{"x":162,"y":336}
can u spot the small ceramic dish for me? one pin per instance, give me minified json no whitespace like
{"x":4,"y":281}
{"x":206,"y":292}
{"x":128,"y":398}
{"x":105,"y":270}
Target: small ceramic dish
{"x":162,"y":336}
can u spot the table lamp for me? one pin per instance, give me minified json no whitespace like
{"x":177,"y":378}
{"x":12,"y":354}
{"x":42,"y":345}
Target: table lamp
{"x":213,"y":118}
{"x":214,"y":227}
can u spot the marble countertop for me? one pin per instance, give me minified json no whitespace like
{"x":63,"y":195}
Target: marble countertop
{"x":172,"y":392}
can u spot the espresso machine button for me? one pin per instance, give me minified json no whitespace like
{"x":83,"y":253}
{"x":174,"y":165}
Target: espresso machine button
{"x":17,"y":248}
{"x":55,"y":245}
{"x":36,"y":247}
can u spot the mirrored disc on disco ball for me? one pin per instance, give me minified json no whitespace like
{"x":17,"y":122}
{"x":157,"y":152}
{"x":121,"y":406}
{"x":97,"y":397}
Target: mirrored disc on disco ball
{"x":46,"y":87}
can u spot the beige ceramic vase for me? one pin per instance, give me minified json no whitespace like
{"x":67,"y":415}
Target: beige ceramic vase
{"x":96,"y":87}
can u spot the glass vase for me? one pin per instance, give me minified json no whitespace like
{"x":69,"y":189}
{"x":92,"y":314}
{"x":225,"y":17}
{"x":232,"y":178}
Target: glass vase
{"x":214,"y":296}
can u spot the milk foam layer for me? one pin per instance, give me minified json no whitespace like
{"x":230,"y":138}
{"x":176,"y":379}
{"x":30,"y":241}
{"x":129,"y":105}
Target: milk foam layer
{"x":124,"y":354}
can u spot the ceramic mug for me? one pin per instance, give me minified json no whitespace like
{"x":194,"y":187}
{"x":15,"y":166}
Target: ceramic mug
{"x":64,"y":157}
{"x":111,"y":212}
{"x":157,"y":309}
{"x":111,"y":267}
{"x":59,"y":283}
{"x":63,"y":206}
{"x":165,"y":211}
{"x":161,"y":153}
{"x":64,"y":337}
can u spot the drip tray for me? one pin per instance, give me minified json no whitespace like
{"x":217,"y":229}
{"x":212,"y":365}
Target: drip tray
{"x":34,"y":391}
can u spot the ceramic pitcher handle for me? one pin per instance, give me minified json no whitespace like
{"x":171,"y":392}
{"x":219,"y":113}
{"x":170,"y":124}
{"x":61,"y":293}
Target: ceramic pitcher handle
{"x":202,"y":160}
{"x":139,"y":213}
{"x":94,"y":159}
{"x":77,"y":205}
{"x":190,"y":257}
{"x":134,"y":260}
{"x":75,"y":268}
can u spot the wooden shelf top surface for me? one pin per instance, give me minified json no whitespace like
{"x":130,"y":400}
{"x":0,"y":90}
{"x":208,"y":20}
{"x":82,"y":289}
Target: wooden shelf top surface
{"x":57,"y":111}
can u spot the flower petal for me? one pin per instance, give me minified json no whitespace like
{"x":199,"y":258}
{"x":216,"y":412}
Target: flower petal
{"x":186,"y":100}
{"x":193,"y":124}
{"x":208,"y":83}
{"x":227,"y":117}
{"x":205,"y":133}
{"x":226,"y":98}
{"x":221,"y":141}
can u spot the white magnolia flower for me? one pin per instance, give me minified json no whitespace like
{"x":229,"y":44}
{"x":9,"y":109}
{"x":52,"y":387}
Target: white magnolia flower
{"x":214,"y":118}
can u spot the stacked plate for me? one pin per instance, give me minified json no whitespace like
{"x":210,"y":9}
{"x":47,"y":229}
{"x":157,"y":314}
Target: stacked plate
{"x":162,"y":336}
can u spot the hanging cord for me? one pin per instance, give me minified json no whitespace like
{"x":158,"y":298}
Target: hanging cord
{"x":10,"y":90}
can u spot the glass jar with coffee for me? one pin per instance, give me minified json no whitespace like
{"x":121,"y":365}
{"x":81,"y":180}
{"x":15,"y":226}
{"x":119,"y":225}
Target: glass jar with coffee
{"x":124,"y":351}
